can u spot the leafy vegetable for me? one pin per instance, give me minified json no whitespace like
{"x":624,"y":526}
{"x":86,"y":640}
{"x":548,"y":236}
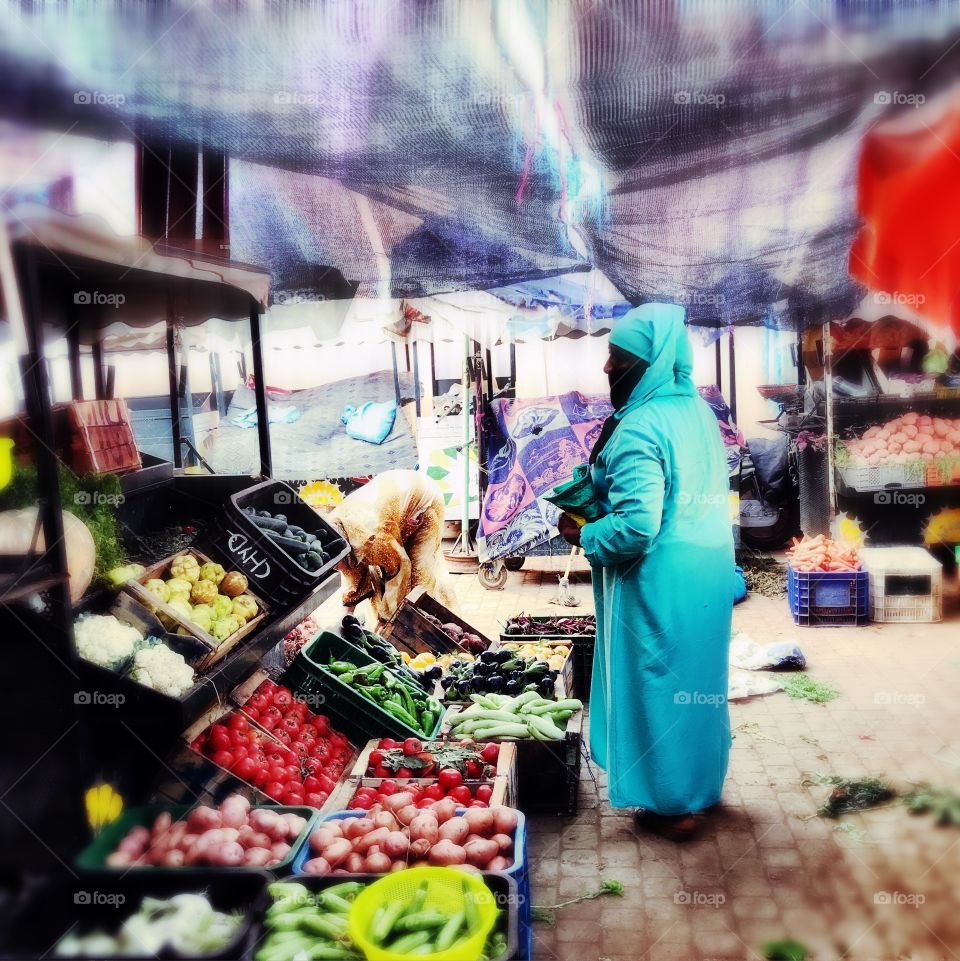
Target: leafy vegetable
{"x":541,"y":626}
{"x":854,"y":794}
{"x":545,"y":915}
{"x":942,"y":803}
{"x":785,"y":950}
{"x":803,"y":687}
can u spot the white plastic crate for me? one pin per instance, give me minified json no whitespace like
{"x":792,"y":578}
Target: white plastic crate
{"x":906,"y":584}
{"x":884,"y":476}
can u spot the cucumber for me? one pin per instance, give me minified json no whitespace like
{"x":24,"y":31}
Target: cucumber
{"x":269,"y":524}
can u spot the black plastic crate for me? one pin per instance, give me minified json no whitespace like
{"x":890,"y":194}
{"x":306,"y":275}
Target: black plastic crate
{"x":548,"y":775}
{"x":274,"y":573}
{"x":50,"y":907}
{"x":582,"y":654}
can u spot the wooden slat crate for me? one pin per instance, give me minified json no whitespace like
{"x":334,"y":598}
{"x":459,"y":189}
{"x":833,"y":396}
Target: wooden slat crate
{"x":506,"y":762}
{"x":101,"y":437}
{"x":411,"y":631}
{"x":504,"y":789}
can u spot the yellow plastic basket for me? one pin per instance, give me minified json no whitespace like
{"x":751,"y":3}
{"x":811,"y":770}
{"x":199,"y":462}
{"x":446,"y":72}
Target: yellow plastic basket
{"x":447,"y":889}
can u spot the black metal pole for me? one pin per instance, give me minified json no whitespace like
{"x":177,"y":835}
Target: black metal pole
{"x":99,"y":384}
{"x":111,"y":380}
{"x":416,"y":376}
{"x":172,"y":379}
{"x":434,"y":389}
{"x":489,"y":373}
{"x":73,"y":348}
{"x":513,"y":368}
{"x":260,"y":390}
{"x":396,"y":371}
{"x":801,"y":371}
{"x":718,"y":362}
{"x":733,"y":376}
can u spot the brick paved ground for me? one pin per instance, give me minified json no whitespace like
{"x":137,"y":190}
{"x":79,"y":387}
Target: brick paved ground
{"x":763,"y":868}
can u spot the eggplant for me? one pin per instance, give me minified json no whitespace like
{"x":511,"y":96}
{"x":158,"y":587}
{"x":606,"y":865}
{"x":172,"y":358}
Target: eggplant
{"x":496,"y":684}
{"x":434,"y":672}
{"x":501,"y":656}
{"x":483,"y":670}
{"x":545,"y":688}
{"x":447,"y":682}
{"x":349,"y":619}
{"x":511,"y":688}
{"x":490,"y":657}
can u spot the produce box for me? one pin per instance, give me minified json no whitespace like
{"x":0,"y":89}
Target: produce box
{"x":218,"y":649}
{"x":548,"y":772}
{"x":906,"y":584}
{"x":418,"y":623}
{"x":505,"y":766}
{"x":356,"y":715}
{"x":94,"y":856}
{"x":549,"y":627}
{"x":273,"y":560}
{"x":500,"y":789}
{"x":50,"y":907}
{"x":828,"y":598}
{"x":518,"y":868}
{"x":222,"y":731}
{"x":565,"y":685}
{"x":505,"y":891}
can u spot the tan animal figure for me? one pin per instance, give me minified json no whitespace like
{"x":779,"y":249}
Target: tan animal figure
{"x":394,"y":524}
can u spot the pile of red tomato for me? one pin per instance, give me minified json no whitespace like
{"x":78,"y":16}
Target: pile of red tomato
{"x":298,"y":762}
{"x":479,"y":761}
{"x":448,"y":784}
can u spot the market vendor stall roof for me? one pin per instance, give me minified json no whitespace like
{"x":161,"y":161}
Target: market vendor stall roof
{"x":92,"y":277}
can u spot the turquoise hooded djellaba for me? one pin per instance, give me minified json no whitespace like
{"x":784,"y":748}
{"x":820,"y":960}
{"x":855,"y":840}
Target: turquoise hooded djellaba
{"x":662,"y":559}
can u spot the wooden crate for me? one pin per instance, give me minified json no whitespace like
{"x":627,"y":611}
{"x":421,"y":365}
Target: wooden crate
{"x":548,"y":772}
{"x":506,"y":762}
{"x":411,"y":631}
{"x":504,"y":789}
{"x":217,"y":649}
{"x":564,"y":684}
{"x":101,"y":437}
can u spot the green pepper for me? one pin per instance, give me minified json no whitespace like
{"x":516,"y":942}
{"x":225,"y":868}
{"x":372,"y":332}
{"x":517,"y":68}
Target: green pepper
{"x":347,"y":678}
{"x":341,"y":667}
{"x":401,"y":715}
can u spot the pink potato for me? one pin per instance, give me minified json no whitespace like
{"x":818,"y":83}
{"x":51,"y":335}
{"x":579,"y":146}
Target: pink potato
{"x":280,"y":849}
{"x":202,"y":819}
{"x":295,"y":824}
{"x":257,"y":857}
{"x":318,"y":866}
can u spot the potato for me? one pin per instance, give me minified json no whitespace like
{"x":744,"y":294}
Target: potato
{"x":446,"y":853}
{"x":456,"y":829}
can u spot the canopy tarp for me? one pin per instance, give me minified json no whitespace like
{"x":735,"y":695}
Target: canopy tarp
{"x":693,"y":151}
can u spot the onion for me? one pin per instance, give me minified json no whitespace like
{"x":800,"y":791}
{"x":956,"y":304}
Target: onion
{"x":397,"y":866}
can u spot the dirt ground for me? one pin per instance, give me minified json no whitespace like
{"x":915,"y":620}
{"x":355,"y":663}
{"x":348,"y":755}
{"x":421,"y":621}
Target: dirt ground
{"x":875,"y":885}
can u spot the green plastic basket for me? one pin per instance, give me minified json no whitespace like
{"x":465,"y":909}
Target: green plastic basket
{"x":357,"y":716}
{"x":94,"y":856}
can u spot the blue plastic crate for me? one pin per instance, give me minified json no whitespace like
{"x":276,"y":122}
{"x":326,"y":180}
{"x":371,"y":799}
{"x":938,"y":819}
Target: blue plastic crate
{"x":829,"y":598}
{"x":517,"y":871}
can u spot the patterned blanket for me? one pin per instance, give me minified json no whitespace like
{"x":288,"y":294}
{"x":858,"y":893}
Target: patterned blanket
{"x":535,"y":444}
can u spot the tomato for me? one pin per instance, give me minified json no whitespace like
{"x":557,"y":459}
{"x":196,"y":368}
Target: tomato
{"x":478,"y":804}
{"x":449,"y":777}
{"x":404,"y":772}
{"x":376,"y":757}
{"x":219,"y":737}
{"x":240,"y":752}
{"x":484,"y":793}
{"x":314,"y":800}
{"x":281,"y":735}
{"x":252,"y":712}
{"x":301,"y":749}
{"x":274,"y":789}
{"x":292,"y":797}
{"x":197,"y":744}
{"x":320,"y":749}
{"x":293,"y":771}
{"x":369,"y":792}
{"x":267,"y":721}
{"x":282,"y":697}
{"x":321,"y":724}
{"x":474,"y":769}
{"x":412,"y":746}
{"x":238,"y":722}
{"x":388,"y":744}
{"x":490,"y":753}
{"x":261,"y":776}
{"x":276,"y":756}
{"x":277,"y":772}
{"x":389,"y":787}
{"x":223,"y":758}
{"x":426,"y":802}
{"x":312,"y":764}
{"x":381,"y":771}
{"x":306,"y":733}
{"x":326,"y":783}
{"x":362,"y":803}
{"x":290,"y":724}
{"x":434,"y":792}
{"x":461,"y":794}
{"x":239,"y":737}
{"x":246,"y":769}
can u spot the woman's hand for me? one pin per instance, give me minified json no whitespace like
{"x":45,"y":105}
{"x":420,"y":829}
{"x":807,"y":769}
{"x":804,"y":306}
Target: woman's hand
{"x":569,"y":529}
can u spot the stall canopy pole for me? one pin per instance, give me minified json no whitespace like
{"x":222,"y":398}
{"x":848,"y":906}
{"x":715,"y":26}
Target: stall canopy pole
{"x":396,"y":371}
{"x":73,"y":348}
{"x":733,"y":377}
{"x":99,"y":382}
{"x":801,"y":372}
{"x":718,"y":363}
{"x":513,"y":368}
{"x":416,"y":375}
{"x":172,"y":378}
{"x":465,"y":511}
{"x":260,"y":390}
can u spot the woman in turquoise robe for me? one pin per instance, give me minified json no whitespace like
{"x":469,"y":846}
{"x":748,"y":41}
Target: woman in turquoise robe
{"x":662,"y":559}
